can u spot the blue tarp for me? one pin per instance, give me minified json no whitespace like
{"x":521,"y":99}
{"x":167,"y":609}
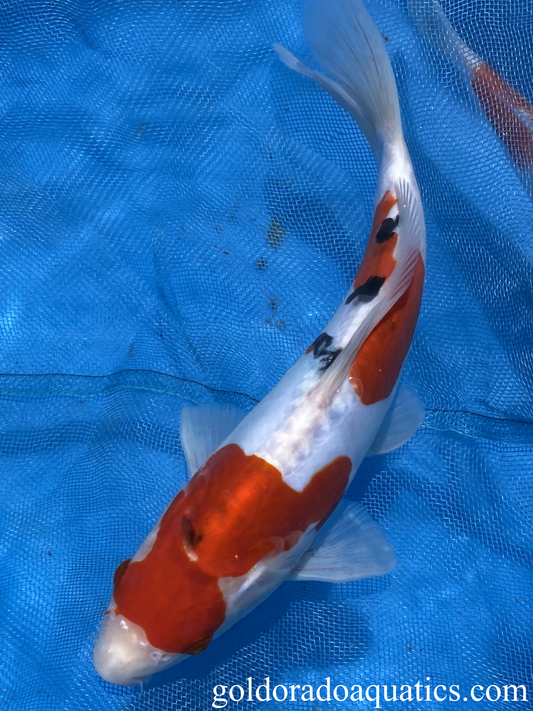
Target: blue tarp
{"x":180,"y":215}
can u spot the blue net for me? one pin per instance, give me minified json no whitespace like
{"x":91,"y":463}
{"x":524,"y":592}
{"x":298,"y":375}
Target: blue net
{"x":180,"y":215}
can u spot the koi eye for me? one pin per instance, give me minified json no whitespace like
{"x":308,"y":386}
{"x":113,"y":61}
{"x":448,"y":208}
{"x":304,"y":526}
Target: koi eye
{"x":119,"y":572}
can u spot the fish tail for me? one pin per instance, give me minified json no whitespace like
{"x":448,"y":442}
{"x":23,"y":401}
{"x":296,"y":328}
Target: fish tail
{"x":346,"y":43}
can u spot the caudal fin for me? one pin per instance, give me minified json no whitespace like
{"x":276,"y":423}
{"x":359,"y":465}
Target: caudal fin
{"x":347,"y":44}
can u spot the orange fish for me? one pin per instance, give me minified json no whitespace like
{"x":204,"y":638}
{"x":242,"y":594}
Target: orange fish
{"x":510,"y":113}
{"x":265,"y":497}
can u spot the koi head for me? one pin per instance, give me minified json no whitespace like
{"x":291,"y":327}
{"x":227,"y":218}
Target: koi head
{"x":122,"y":654}
{"x":162,"y":609}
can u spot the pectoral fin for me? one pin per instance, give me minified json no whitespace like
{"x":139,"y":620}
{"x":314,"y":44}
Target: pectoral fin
{"x":402,"y":420}
{"x":203,"y":429}
{"x":352,"y":547}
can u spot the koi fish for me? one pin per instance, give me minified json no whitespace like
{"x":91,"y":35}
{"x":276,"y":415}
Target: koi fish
{"x":265,"y":499}
{"x":509,"y":113}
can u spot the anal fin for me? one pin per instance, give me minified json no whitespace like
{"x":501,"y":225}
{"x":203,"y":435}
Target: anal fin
{"x":352,"y":547}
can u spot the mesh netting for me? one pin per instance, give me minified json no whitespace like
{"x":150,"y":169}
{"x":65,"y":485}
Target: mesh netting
{"x":180,"y":215}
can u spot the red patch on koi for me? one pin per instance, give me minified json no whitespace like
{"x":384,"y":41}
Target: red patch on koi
{"x":510,"y":113}
{"x":378,"y":259}
{"x":377,"y":365}
{"x":232,"y":513}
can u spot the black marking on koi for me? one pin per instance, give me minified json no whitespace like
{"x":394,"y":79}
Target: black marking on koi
{"x":329,"y":359}
{"x":321,"y":350}
{"x":190,"y":536}
{"x":321,"y":344}
{"x":367,"y":291}
{"x":387,"y":228}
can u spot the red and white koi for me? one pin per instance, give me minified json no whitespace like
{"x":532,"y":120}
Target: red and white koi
{"x":509,"y":113}
{"x":264,"y":502}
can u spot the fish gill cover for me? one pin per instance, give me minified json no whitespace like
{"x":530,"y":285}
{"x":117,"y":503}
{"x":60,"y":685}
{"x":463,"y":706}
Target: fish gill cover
{"x":179,"y":217}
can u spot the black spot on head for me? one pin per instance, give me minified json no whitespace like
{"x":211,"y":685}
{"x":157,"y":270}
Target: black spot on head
{"x":190,"y":536}
{"x":367,"y":291}
{"x":387,"y":228}
{"x":321,"y":344}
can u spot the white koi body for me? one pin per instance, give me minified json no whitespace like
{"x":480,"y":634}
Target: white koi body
{"x":253,"y":511}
